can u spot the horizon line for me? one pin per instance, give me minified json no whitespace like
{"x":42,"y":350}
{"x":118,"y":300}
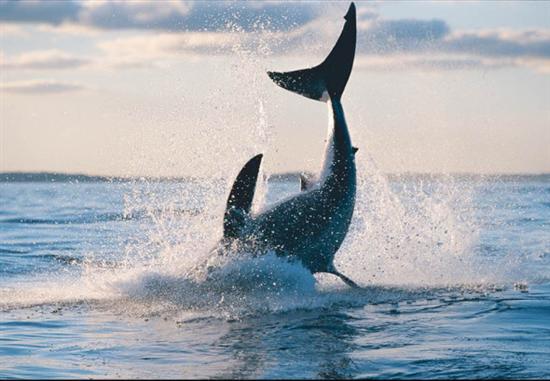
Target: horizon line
{"x":53,"y":176}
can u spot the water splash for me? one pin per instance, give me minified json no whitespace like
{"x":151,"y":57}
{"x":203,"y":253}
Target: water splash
{"x":408,"y":234}
{"x":413,"y":232}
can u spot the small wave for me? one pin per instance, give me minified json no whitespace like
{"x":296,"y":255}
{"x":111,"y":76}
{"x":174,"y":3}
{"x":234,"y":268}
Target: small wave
{"x":64,"y":259}
{"x":98,"y":218}
{"x":13,"y":251}
{"x":222,"y":287}
{"x":528,"y":220}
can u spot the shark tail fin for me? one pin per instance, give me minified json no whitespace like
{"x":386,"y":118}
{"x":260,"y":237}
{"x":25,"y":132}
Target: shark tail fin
{"x":328,"y":79}
{"x":240,"y":198}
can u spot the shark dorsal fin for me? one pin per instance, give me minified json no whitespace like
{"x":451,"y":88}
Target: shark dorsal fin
{"x":241,"y":197}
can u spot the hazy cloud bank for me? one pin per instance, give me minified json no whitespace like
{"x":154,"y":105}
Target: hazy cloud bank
{"x":198,"y":28}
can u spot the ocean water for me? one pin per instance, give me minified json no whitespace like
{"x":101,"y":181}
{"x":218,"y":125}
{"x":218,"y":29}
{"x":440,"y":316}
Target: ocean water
{"x":107,"y":279}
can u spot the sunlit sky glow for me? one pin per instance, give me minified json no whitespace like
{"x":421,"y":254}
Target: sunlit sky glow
{"x":179,"y":88}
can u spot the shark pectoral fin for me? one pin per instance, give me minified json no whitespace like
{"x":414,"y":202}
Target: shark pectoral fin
{"x":346,"y":280}
{"x":241,"y":197}
{"x":305,"y":182}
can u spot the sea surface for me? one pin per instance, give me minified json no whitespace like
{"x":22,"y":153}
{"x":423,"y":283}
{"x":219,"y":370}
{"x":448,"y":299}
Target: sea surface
{"x":108,"y":279}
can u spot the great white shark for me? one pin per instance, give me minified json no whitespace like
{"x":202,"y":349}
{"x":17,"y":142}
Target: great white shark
{"x":310,"y":226}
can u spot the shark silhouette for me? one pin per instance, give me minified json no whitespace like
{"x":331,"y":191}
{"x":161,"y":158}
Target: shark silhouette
{"x":310,"y":226}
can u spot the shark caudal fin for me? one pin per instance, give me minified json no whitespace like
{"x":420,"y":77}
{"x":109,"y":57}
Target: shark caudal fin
{"x":241,"y":197}
{"x":331,"y":76}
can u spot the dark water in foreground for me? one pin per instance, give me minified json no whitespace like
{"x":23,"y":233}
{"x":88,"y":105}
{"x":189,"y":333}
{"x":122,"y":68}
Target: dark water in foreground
{"x":105,"y":280}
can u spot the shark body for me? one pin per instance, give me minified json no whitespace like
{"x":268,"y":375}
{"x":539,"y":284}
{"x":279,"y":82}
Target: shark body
{"x":310,"y":226}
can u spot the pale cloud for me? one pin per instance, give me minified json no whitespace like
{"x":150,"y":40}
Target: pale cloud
{"x":538,"y":65}
{"x":405,"y":62}
{"x":161,"y":45}
{"x":152,"y":50}
{"x":43,"y":60}
{"x":40,"y":87}
{"x":12,"y":30}
{"x":500,"y":43}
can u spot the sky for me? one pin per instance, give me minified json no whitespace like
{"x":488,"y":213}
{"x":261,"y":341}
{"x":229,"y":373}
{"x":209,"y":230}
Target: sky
{"x":178,"y":88}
